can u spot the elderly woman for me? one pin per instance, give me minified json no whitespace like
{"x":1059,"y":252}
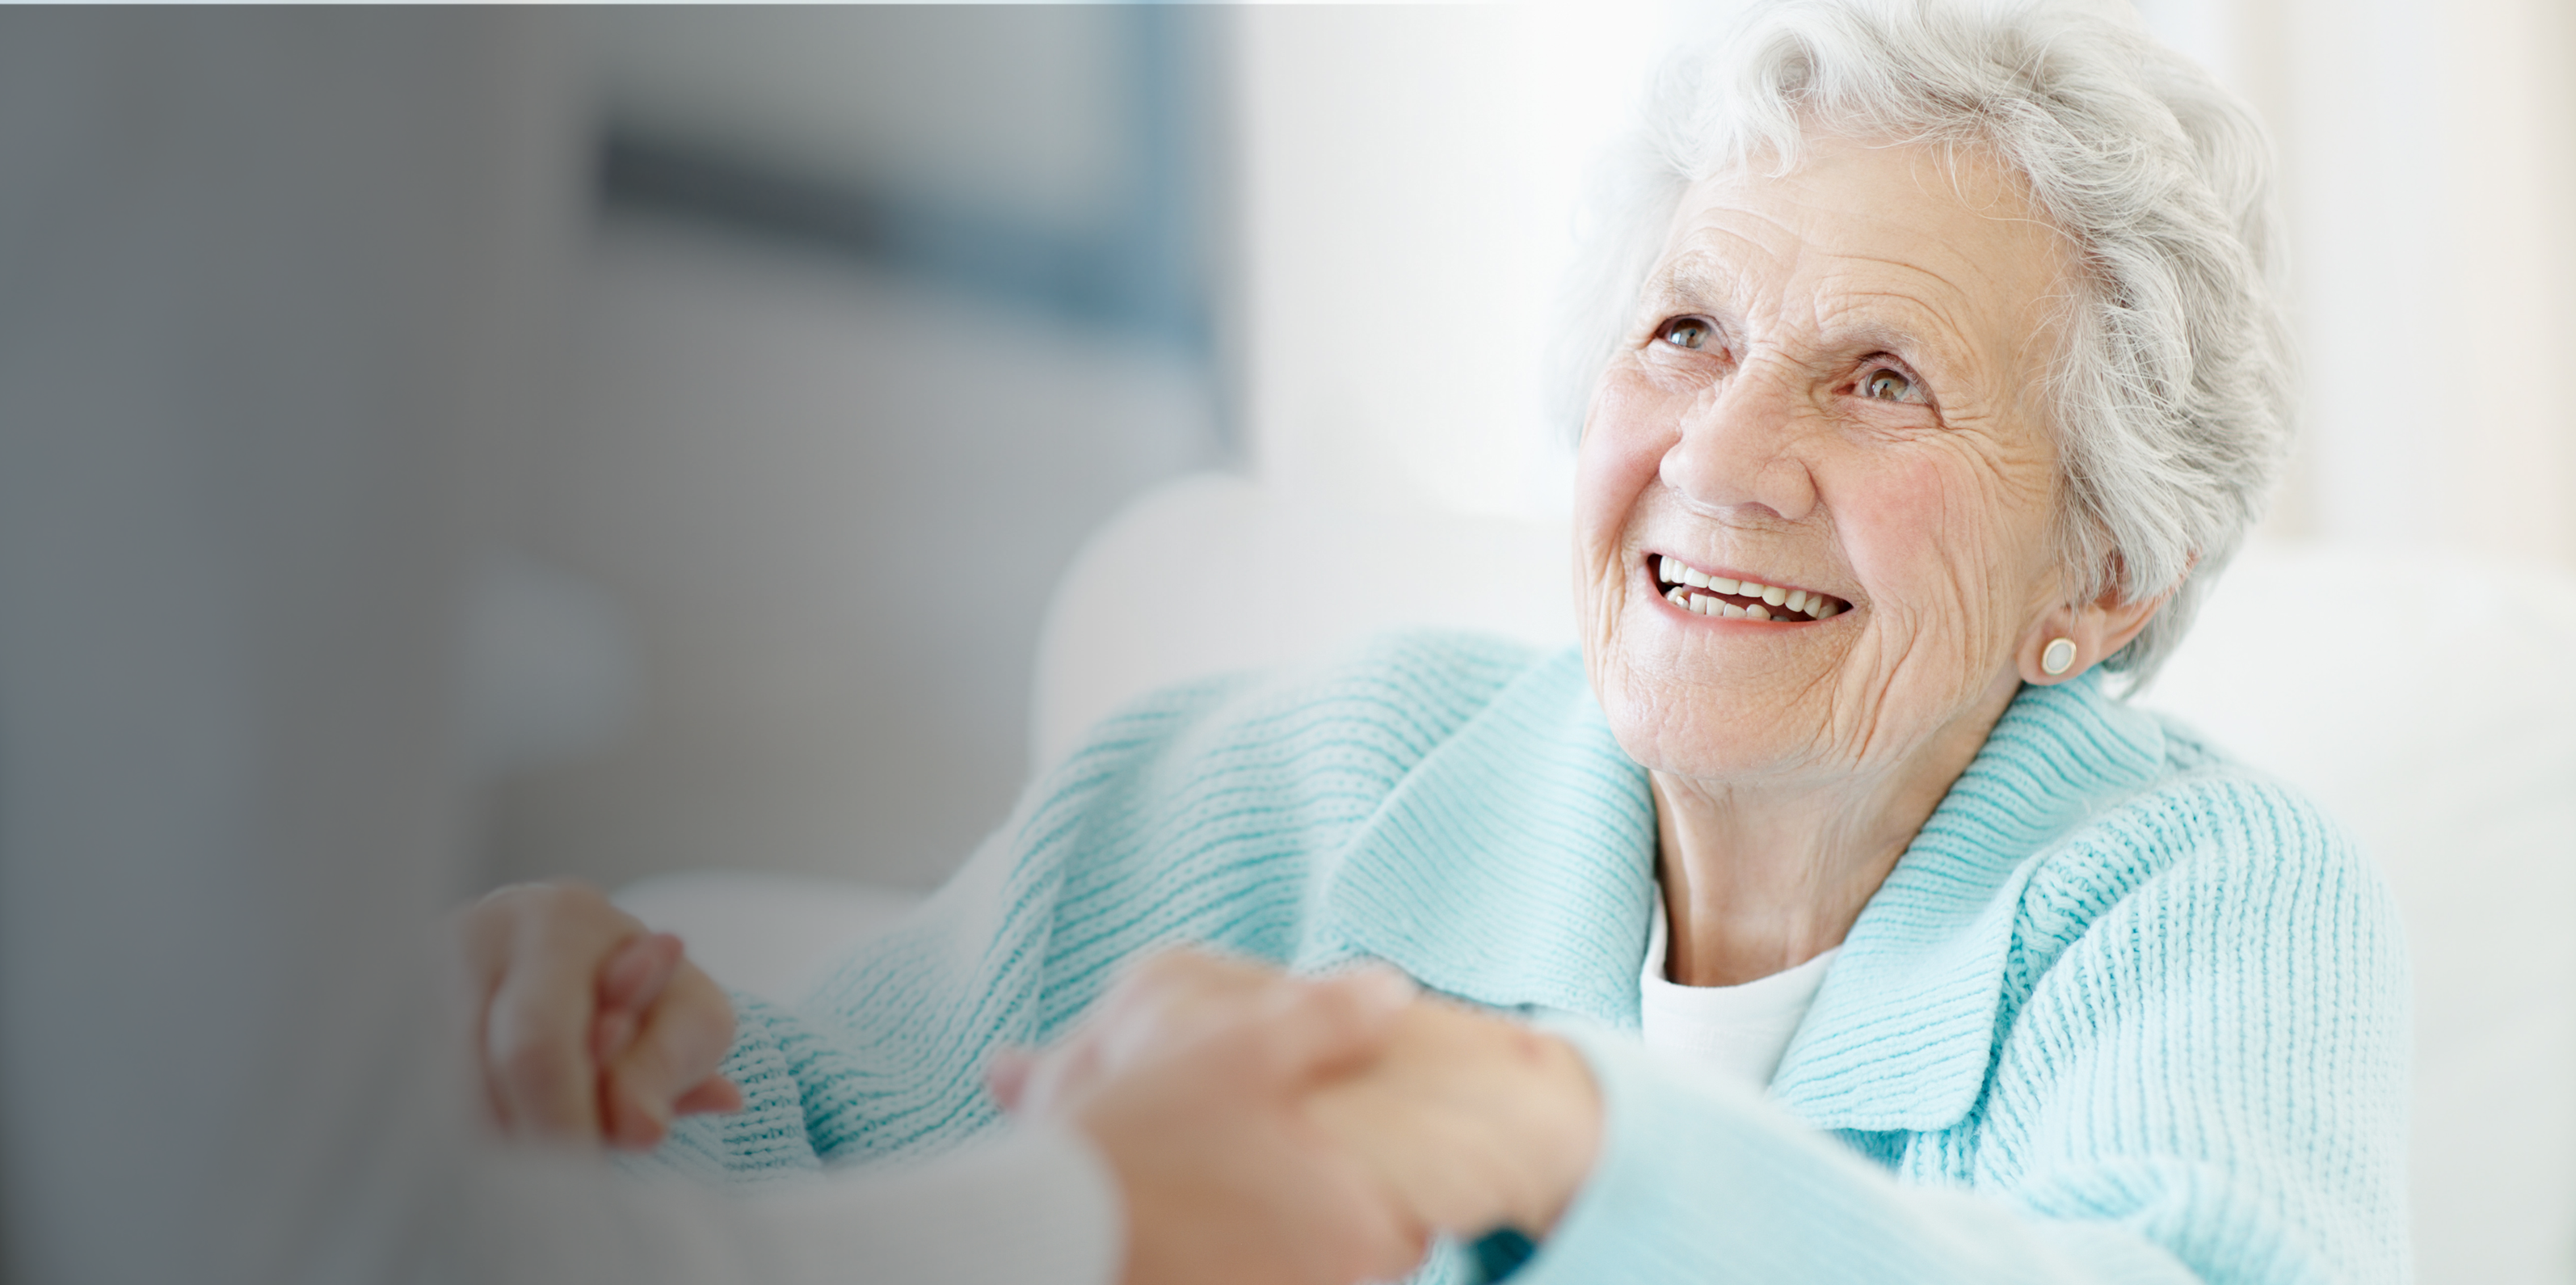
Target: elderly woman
{"x":1944,"y":376}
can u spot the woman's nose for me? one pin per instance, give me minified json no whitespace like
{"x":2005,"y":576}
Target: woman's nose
{"x":1738,"y":450}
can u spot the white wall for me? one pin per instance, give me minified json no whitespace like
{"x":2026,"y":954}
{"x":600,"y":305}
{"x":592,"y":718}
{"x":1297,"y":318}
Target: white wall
{"x":2429,"y":159}
{"x":1405,"y":195}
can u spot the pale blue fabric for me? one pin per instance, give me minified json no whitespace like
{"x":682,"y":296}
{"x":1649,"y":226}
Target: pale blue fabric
{"x":2123,"y":1011}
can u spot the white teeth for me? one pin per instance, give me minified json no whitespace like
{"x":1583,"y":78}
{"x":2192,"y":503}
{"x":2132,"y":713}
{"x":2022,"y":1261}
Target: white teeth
{"x":1777,"y":601}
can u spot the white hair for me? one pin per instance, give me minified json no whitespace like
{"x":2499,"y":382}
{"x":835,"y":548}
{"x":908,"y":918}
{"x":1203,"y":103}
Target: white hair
{"x":2170,"y":397}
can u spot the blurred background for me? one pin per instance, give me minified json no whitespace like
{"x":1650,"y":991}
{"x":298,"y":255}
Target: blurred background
{"x":861,"y":319}
{"x":869,"y":316}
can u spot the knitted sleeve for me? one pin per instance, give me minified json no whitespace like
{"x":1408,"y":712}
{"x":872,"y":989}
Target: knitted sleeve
{"x":885,"y":1058}
{"x":2206,"y":1082}
{"x":1207,"y":813}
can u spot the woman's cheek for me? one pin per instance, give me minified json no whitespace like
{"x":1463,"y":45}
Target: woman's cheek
{"x":1624,"y":440}
{"x":1902,"y":523}
{"x":1944,"y":541}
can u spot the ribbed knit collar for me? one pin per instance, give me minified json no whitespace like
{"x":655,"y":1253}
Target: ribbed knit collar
{"x":1901,"y":1032}
{"x":1516,"y":863}
{"x":1515,"y":866}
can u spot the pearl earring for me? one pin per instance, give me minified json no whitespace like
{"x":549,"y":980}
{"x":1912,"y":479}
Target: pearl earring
{"x":2058,"y":657}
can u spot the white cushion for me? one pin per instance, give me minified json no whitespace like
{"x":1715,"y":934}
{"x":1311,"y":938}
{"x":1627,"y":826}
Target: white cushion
{"x":1212,"y":573}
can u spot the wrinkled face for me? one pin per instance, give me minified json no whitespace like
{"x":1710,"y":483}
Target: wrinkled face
{"x":1813,"y":503}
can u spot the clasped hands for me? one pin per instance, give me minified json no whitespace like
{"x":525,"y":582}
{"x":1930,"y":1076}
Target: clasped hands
{"x":1260,"y":1127}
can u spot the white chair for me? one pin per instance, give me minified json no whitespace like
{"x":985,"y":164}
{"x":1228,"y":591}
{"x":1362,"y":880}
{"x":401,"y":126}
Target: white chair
{"x":2424,"y":701}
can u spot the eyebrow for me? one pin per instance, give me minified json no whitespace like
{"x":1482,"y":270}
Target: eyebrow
{"x":1934,"y":339}
{"x":1691,"y":278}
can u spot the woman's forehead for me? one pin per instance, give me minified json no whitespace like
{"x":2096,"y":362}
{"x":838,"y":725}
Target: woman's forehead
{"x":1940,"y":240}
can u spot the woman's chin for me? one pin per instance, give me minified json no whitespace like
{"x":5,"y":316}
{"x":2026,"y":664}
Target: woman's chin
{"x":1710,"y":729}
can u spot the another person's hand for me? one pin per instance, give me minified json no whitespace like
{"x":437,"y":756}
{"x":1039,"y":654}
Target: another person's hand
{"x":1479,"y":1121}
{"x":1192,"y":1078}
{"x":585,"y":1026}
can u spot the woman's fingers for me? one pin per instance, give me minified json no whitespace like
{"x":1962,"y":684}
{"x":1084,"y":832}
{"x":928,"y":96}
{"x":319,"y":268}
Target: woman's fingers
{"x":1477,"y":1120}
{"x":683,"y":1039}
{"x":634,"y":977}
{"x":1006,"y":1077}
{"x":1316,"y":1030}
{"x":610,"y":1034}
{"x":1278,"y":1031}
{"x":539,"y":1025}
{"x":1191,"y":1077}
{"x":633,"y":1123}
{"x":629,"y":984}
{"x":714,"y":1095}
{"x":589,"y":1026}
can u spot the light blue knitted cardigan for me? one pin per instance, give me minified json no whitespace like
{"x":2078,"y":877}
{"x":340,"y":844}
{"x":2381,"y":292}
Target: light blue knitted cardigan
{"x":2123,"y":1011}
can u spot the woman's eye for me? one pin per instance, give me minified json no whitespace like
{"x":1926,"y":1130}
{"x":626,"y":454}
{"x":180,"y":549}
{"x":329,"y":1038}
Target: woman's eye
{"x":1887,"y":386}
{"x":1688,"y":332}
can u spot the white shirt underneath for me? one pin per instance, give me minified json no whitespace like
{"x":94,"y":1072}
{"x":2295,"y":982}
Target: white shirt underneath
{"x":1736,"y":1031}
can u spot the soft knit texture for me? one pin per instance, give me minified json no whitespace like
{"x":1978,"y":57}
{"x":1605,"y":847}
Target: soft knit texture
{"x":2123,"y":1011}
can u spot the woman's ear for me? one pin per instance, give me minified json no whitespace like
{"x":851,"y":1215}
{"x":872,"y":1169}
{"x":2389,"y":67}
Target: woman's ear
{"x":2070,"y":640}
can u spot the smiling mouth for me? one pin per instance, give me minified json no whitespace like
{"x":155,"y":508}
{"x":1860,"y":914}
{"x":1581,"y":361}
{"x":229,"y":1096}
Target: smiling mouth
{"x":1694,"y":590}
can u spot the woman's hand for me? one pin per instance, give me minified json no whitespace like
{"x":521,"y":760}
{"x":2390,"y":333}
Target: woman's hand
{"x":1481,"y":1122}
{"x":585,"y":1026}
{"x":1192,"y":1077}
{"x":1339,"y":1118}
